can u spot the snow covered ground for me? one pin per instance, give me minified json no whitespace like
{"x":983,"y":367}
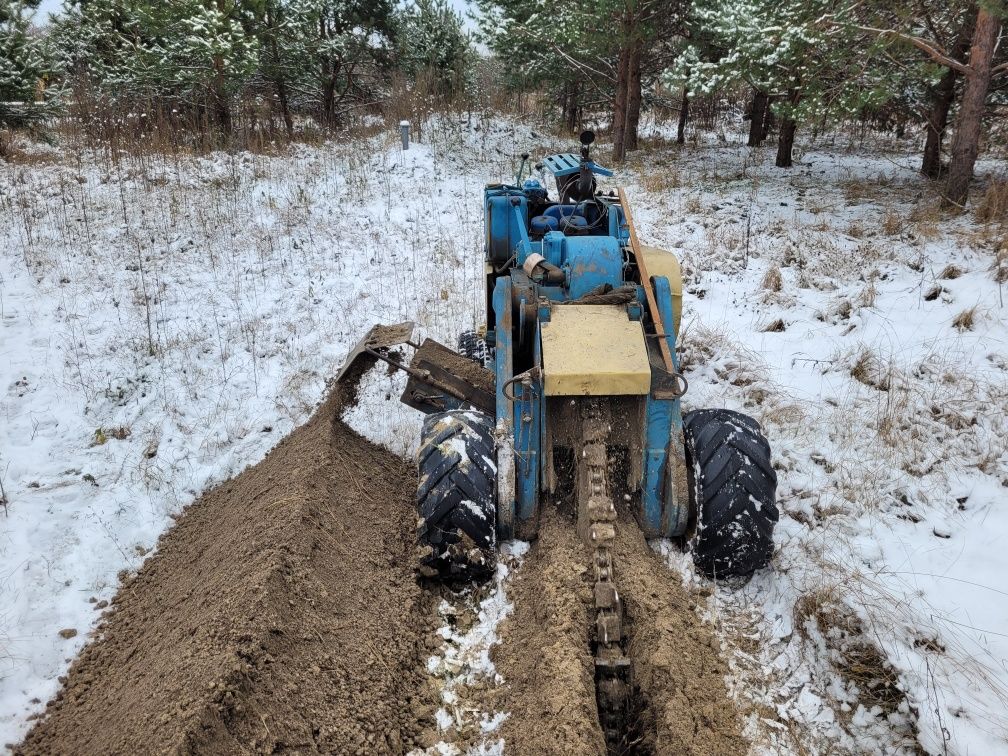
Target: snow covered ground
{"x":164,"y":322}
{"x":868,"y":334}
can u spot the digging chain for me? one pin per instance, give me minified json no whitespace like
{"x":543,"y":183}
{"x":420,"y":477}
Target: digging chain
{"x":612,"y":667}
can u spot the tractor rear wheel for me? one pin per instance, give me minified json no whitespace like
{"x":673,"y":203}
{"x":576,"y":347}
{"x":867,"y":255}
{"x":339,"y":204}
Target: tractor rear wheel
{"x":733,"y":492}
{"x":456,"y":509}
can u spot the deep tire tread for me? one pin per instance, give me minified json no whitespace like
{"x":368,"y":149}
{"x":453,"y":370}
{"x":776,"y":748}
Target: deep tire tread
{"x":733,"y":488}
{"x":457,"y":482}
{"x":473,"y":346}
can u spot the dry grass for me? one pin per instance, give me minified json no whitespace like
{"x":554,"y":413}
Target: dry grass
{"x":855,"y":229}
{"x":773,"y":281}
{"x":892,"y":223}
{"x":856,"y":191}
{"x":667,"y":177}
{"x":951,"y":272}
{"x":993,"y":207}
{"x":999,"y":270}
{"x":965,"y":320}
{"x":868,"y":369}
{"x":693,"y":204}
{"x":854,"y":655}
{"x":20,"y":151}
{"x":869,"y":294}
{"x":775,"y":326}
{"x":926,"y":219}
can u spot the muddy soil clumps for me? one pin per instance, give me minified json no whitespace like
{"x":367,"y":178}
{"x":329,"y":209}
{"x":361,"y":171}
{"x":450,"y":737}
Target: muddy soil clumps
{"x":545,"y":659}
{"x":544,"y":654}
{"x":677,"y":661}
{"x":280,"y":614}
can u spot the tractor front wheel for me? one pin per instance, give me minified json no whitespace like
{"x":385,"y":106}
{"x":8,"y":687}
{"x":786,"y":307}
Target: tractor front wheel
{"x":732,"y":490}
{"x":456,"y":510}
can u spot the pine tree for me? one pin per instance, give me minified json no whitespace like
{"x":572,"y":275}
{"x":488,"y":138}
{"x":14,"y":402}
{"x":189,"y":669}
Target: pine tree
{"x":796,"y":53}
{"x":196,"y":55}
{"x":430,"y":38}
{"x":535,"y":43}
{"x":25,"y":66}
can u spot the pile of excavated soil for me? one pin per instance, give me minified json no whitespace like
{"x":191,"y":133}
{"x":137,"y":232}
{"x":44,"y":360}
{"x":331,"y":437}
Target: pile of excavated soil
{"x":544,"y":655}
{"x":280,"y":614}
{"x":545,"y":659}
{"x":677,"y":661}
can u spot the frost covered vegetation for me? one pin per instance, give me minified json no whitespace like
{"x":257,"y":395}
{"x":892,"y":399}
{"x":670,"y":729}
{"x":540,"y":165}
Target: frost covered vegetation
{"x":166,"y":320}
{"x":213,"y":72}
{"x":202,"y":207}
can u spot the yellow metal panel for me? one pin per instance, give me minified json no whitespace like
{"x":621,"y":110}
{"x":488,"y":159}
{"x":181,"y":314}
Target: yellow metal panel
{"x":661,"y":262}
{"x":594,"y":350}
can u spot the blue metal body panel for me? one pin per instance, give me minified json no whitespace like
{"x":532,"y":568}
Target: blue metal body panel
{"x":528,"y":443}
{"x":590,"y":262}
{"x":567,"y":163}
{"x":503,"y":230}
{"x":662,"y":416}
{"x":503,"y":370}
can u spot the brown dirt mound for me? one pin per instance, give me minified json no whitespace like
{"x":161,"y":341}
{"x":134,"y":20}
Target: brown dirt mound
{"x":545,"y":660}
{"x":279,"y":614}
{"x":548,"y":671}
{"x":676,"y":658}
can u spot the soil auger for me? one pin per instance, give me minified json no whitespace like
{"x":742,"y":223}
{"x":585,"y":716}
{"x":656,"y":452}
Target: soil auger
{"x":573,"y":393}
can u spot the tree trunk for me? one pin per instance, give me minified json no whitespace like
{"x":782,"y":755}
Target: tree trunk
{"x":757,"y":121}
{"x":942,"y":97}
{"x":221,"y":104}
{"x":329,"y":101}
{"x":633,"y":97}
{"x":219,"y":94}
{"x":937,"y":119}
{"x":571,"y":100}
{"x":620,"y":104}
{"x":785,"y":141}
{"x":966,"y":142}
{"x":281,"y":90}
{"x":278,"y":83}
{"x":683,"y":117}
{"x":769,"y":120}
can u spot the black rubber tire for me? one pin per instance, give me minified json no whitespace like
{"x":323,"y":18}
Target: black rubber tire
{"x":733,"y":490}
{"x":456,"y":496}
{"x":473,"y":346}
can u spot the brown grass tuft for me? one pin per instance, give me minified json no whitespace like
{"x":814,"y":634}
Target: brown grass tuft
{"x":772,"y":281}
{"x":892,"y":223}
{"x":993,"y":207}
{"x":951,"y":271}
{"x":965,"y":320}
{"x":1000,"y":267}
{"x":869,"y":294}
{"x":854,"y":656}
{"x":776,"y":326}
{"x":666,"y":177}
{"x":926,"y":217}
{"x":869,"y":370}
